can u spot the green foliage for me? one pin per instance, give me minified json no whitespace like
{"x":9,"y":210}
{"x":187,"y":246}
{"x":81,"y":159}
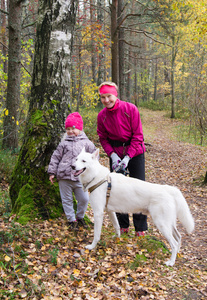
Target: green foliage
{"x":154,"y":105}
{"x":90,"y":122}
{"x":3,"y":84}
{"x":3,"y":76}
{"x":54,"y":253}
{"x":90,"y":95}
{"x":189,"y":133}
{"x":25,"y":85}
{"x":7,"y":163}
{"x":5,"y":203}
{"x":14,"y":231}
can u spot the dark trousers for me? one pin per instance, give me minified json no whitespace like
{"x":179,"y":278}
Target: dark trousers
{"x":136,"y":168}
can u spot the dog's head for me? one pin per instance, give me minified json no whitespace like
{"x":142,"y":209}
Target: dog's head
{"x":84,"y":161}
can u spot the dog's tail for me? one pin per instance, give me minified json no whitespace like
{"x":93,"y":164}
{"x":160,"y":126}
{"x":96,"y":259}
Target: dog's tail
{"x":183,"y":211}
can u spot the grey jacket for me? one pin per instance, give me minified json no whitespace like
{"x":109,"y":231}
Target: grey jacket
{"x":64,"y":156}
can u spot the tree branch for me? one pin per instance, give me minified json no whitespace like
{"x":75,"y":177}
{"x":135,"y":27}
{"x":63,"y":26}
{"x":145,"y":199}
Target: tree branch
{"x":4,"y":12}
{"x":28,"y":25}
{"x":147,"y":35}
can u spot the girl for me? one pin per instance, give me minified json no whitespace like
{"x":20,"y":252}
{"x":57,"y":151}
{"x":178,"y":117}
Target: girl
{"x":61,"y":166}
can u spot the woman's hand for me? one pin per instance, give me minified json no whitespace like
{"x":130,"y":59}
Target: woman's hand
{"x":123,"y":164}
{"x":115,"y":160}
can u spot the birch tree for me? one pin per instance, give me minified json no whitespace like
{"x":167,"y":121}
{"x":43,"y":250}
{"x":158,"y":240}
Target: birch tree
{"x":31,"y":194}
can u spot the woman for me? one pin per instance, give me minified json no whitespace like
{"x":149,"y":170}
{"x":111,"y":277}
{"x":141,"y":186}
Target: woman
{"x":121,"y":136}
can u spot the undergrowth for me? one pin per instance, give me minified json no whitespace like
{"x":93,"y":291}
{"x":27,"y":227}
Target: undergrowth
{"x":7,"y":162}
{"x":5,"y":203}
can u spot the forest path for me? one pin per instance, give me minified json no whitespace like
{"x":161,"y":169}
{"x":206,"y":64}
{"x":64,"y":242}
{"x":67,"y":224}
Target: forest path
{"x":169,"y":161}
{"x":173,"y":162}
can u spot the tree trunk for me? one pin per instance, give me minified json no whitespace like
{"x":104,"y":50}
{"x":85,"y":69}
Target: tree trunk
{"x":4,"y":34}
{"x":101,"y":55}
{"x":10,"y":137}
{"x":114,"y":42}
{"x":155,"y":81}
{"x":205,"y":179}
{"x":172,"y":79}
{"x":121,"y":49}
{"x":93,"y":47}
{"x":31,"y":193}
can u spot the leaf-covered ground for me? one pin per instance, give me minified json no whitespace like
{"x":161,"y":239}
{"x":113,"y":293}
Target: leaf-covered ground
{"x":44,"y":260}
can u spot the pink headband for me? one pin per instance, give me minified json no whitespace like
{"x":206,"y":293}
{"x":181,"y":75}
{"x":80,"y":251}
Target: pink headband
{"x":108,"y":89}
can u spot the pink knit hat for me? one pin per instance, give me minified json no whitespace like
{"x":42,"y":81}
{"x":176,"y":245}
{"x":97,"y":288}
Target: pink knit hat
{"x":74,"y":120}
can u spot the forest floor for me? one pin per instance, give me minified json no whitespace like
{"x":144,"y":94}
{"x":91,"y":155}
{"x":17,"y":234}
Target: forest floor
{"x":44,"y":260}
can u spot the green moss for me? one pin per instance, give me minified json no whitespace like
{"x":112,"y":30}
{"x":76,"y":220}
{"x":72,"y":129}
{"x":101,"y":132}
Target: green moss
{"x":37,"y":119}
{"x":31,"y":192}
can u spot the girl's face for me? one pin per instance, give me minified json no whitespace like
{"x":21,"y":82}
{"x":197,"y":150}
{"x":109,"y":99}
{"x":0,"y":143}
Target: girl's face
{"x":72,"y":131}
{"x":108,"y":100}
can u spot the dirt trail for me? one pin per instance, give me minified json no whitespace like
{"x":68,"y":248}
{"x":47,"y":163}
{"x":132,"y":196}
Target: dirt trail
{"x":169,"y":161}
{"x":177,"y":163}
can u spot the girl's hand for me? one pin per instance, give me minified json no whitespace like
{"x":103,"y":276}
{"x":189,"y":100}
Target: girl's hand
{"x":51,"y":178}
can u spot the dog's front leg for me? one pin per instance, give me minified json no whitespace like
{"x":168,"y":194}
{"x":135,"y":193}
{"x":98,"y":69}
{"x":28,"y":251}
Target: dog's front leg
{"x":98,"y":221}
{"x":113,"y":218}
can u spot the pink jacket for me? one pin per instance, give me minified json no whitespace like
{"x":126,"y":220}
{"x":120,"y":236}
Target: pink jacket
{"x":122,"y":123}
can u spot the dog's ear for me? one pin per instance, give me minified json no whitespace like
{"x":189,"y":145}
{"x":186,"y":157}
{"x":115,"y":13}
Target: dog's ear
{"x":95,"y":154}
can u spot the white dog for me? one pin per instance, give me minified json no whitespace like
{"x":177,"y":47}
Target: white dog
{"x":129,"y":195}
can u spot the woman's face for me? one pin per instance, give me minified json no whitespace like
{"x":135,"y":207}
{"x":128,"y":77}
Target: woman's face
{"x":108,"y":100}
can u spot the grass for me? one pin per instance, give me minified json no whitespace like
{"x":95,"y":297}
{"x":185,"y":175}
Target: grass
{"x":190,"y":134}
{"x":154,"y":105}
{"x":149,"y":247}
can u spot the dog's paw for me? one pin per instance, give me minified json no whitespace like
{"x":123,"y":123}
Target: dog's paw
{"x":89,"y":247}
{"x":169,"y":263}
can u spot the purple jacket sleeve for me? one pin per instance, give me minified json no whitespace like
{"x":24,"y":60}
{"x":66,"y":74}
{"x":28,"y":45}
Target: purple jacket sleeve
{"x":55,"y":160}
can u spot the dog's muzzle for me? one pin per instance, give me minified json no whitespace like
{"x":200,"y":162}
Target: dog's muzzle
{"x":78,"y":172}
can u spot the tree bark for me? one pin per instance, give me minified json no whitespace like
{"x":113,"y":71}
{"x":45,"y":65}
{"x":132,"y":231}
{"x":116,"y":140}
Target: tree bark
{"x":172,"y":79}
{"x":93,"y":50}
{"x":205,"y":178}
{"x":30,"y":191}
{"x":10,"y":136}
{"x":155,"y":80}
{"x":114,"y":42}
{"x":121,"y":49}
{"x":4,"y":35}
{"x":101,"y":56}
